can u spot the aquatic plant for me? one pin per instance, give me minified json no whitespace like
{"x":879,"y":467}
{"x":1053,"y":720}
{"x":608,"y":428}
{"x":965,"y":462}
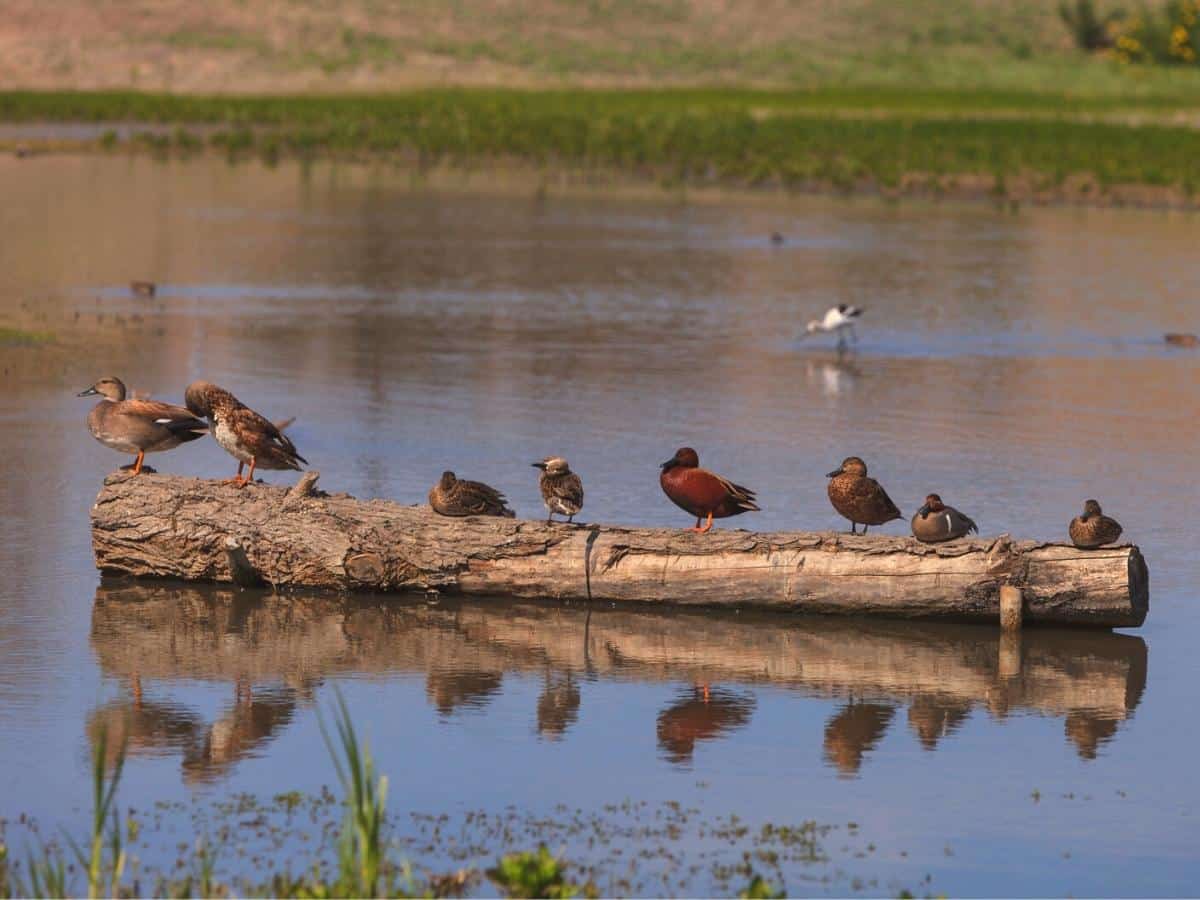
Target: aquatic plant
{"x":538,"y":875}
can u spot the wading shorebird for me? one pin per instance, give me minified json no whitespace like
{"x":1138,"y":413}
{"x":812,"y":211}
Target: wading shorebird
{"x":453,"y":496}
{"x":701,"y":492}
{"x":1093,"y":529}
{"x":837,"y":320}
{"x":562,"y":490}
{"x":860,"y":499}
{"x":245,"y":435}
{"x":936,"y":522}
{"x":138,"y":426}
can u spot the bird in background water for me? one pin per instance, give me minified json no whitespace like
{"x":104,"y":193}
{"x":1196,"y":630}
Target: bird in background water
{"x":701,"y":492}
{"x":837,"y":320}
{"x":138,"y":426}
{"x":860,"y":499}
{"x":562,"y":489}
{"x":245,"y":435}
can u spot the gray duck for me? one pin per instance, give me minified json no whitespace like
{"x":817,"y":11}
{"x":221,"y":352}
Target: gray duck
{"x":935,"y":522}
{"x":138,"y":426}
{"x":453,"y":496}
{"x":860,"y":499}
{"x":1093,"y":529}
{"x":562,"y":489}
{"x":246,"y":435}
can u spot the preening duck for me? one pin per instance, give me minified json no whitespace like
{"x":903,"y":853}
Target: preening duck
{"x":246,"y":435}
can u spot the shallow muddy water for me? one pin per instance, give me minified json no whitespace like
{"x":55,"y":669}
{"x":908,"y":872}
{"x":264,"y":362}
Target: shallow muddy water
{"x":1011,"y":362}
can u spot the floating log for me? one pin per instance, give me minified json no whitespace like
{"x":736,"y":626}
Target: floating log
{"x":170,"y":527}
{"x":272,"y":650}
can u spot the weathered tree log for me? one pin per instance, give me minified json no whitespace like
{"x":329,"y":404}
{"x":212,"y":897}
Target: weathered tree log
{"x":163,"y":526}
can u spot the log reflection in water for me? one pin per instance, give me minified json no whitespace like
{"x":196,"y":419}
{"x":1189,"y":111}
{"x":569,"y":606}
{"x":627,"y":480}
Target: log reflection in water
{"x":166,"y":633}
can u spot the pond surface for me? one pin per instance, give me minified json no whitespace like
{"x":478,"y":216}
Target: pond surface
{"x":1013,"y":362}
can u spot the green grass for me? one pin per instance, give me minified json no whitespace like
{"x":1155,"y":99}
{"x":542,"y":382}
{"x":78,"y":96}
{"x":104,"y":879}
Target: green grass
{"x":19,"y":336}
{"x":841,"y":137}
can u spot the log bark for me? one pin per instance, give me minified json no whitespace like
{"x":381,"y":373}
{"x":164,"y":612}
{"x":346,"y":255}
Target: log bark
{"x":171,"y":527}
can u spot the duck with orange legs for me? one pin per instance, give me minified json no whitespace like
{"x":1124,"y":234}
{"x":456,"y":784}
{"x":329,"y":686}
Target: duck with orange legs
{"x":702,"y":493}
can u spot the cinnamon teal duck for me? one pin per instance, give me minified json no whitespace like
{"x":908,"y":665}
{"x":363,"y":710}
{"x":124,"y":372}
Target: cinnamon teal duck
{"x":936,"y":522}
{"x":138,"y":426}
{"x":246,"y":435}
{"x":701,"y":492}
{"x":860,"y":499}
{"x":1093,"y":529}
{"x":453,"y":496}
{"x":562,"y":489}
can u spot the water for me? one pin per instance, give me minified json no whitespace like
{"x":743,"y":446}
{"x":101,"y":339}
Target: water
{"x":1011,"y":362}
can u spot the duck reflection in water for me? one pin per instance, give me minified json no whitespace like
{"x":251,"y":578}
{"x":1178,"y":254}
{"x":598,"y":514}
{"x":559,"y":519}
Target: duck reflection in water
{"x":1089,"y":732}
{"x":141,"y":727}
{"x":853,"y":732}
{"x":557,"y":705}
{"x":932,"y":719}
{"x":250,"y":723}
{"x":700,"y":714}
{"x":450,"y":691}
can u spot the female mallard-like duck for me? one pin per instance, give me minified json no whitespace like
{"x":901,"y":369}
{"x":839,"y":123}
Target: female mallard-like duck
{"x":453,"y":496}
{"x":138,"y":426}
{"x":701,"y":492}
{"x":247,"y":436}
{"x":860,"y":499}
{"x":562,"y":491}
{"x":1093,"y":529}
{"x":935,"y":522}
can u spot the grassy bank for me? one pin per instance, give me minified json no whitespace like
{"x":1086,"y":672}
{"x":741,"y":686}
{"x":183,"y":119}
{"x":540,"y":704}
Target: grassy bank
{"x":848,"y":139}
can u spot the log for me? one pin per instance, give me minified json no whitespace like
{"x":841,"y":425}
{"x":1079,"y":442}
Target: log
{"x":170,"y":527}
{"x":273,"y":647}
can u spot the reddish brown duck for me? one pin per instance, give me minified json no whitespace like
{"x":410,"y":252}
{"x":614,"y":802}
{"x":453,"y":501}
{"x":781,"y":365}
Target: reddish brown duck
{"x":701,"y":492}
{"x":860,"y":499}
{"x":562,"y":489}
{"x":247,"y":436}
{"x":138,"y":426}
{"x":1093,"y":529}
{"x":936,"y":522}
{"x":454,"y":496}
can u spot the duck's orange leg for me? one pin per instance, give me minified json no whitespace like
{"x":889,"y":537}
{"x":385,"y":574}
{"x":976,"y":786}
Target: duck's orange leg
{"x":236,"y":479}
{"x":242,"y":482}
{"x":704,"y":691}
{"x":137,"y":463}
{"x":707,"y":526}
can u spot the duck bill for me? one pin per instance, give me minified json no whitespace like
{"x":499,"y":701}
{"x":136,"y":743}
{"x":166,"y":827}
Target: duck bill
{"x":90,"y":392}
{"x":541,"y":466}
{"x":923,"y":511}
{"x":834,"y":474}
{"x":669,"y":464}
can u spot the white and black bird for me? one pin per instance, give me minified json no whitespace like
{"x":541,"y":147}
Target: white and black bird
{"x":839,"y":320}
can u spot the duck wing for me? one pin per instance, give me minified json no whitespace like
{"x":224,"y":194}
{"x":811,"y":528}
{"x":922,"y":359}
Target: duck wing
{"x":175,"y":419}
{"x":872,"y":492}
{"x":482,"y":499}
{"x":262,"y":438}
{"x":742,"y":497}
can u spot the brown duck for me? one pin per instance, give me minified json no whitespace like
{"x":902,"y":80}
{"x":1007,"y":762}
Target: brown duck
{"x":454,"y":496}
{"x":701,"y":492}
{"x":562,"y":489}
{"x":860,"y":499}
{"x":1093,"y":529}
{"x":936,"y":522}
{"x":247,"y":436}
{"x":138,"y":426}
